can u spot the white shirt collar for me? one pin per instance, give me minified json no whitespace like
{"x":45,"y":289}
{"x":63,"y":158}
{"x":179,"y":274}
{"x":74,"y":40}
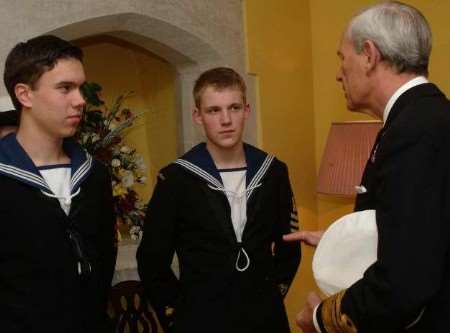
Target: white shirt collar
{"x":408,"y":85}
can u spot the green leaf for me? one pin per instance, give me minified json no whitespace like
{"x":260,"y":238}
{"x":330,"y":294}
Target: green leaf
{"x":90,"y":91}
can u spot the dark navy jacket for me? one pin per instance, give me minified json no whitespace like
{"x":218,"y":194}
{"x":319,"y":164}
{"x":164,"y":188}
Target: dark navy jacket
{"x":408,"y":184}
{"x":189,"y":213}
{"x":41,"y":289}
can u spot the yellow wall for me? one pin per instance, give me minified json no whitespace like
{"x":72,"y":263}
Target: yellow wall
{"x":328,"y":20}
{"x":292,"y":50}
{"x":279,"y":54}
{"x":120,"y":67}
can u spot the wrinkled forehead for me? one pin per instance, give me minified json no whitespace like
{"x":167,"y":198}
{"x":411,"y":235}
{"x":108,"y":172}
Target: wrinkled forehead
{"x":345,"y":40}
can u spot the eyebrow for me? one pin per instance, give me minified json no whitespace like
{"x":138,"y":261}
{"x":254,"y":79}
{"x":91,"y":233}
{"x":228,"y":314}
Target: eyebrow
{"x":212,"y":107}
{"x":68,"y":83}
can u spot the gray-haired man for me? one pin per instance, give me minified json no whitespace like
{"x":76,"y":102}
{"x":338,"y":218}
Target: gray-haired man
{"x":384,"y":56}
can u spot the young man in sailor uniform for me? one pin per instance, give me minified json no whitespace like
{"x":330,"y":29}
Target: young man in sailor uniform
{"x":223,"y":208}
{"x":57,"y":250}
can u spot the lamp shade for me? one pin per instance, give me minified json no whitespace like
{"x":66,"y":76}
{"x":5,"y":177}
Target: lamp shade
{"x":347,"y":149}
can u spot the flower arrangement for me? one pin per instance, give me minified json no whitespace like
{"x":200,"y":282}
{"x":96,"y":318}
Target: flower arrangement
{"x":101,"y":134}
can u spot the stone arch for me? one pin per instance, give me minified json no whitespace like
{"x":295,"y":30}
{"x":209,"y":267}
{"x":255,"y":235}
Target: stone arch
{"x":178,"y":46}
{"x":185,"y":51}
{"x":192,"y":36}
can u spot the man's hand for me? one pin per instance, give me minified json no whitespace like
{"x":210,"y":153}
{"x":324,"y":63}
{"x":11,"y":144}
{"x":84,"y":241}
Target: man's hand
{"x":305,"y":318}
{"x":310,"y":238}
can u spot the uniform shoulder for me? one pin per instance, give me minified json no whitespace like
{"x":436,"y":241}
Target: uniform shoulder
{"x":171,"y":171}
{"x":424,"y":113}
{"x":261,"y":156}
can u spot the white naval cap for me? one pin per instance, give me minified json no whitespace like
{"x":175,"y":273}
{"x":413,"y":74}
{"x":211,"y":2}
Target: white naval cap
{"x":347,"y":248}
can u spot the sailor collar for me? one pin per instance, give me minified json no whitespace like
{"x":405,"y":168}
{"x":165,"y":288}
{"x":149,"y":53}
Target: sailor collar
{"x":199,"y":162}
{"x":15,"y":163}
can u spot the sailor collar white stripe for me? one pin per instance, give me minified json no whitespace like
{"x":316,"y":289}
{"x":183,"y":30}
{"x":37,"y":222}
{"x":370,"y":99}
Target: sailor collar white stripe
{"x":78,"y":175}
{"x":39,"y":181}
{"x":254,"y":183}
{"x":199,"y":171}
{"x":25,"y":175}
{"x":260,"y":174}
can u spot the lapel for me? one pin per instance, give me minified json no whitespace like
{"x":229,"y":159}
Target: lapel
{"x":409,"y":97}
{"x":199,"y":162}
{"x":81,"y":163}
{"x":258,"y":163}
{"x":15,"y":163}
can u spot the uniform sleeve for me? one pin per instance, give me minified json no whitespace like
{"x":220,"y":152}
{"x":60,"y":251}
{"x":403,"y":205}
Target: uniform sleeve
{"x":287,"y":255}
{"x":413,"y":229}
{"x":156,"y":252}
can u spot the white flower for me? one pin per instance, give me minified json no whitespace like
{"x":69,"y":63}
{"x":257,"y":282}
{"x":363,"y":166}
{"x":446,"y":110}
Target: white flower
{"x":125,"y":149}
{"x":138,"y":205}
{"x":95,"y":137}
{"x":127,"y":179}
{"x":135,"y":232}
{"x":142,"y":179}
{"x":140,"y":163}
{"x":115,"y":163}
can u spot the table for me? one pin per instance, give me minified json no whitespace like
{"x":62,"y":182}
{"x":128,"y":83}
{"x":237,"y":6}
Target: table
{"x":126,"y":264}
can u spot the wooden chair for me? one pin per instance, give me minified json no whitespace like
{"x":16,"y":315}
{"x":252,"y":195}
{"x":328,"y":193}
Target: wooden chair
{"x":131,"y":312}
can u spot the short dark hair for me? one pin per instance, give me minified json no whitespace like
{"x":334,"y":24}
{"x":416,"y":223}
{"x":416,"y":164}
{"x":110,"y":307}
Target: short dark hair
{"x":27,"y":61}
{"x":219,"y":78}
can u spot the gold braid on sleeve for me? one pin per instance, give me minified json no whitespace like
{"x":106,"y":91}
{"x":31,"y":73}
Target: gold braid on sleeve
{"x":333,"y":319}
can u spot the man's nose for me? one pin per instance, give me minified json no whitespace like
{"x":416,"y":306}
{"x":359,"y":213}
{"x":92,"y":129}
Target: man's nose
{"x":339,"y":75}
{"x":78,"y":99}
{"x":225,"y":117}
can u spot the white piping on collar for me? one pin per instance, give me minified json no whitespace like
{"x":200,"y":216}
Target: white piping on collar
{"x":258,"y":176}
{"x":254,"y":183}
{"x":39,"y":181}
{"x":200,"y":172}
{"x":81,"y":171}
{"x":24,"y":175}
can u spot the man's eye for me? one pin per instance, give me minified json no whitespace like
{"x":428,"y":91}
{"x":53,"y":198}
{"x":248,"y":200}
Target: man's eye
{"x":64,"y":88}
{"x":236,"y":107}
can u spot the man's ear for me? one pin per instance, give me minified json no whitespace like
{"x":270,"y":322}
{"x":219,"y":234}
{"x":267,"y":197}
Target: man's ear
{"x":24,"y":94}
{"x":247,"y":110}
{"x":373,"y":55}
{"x":196,"y":116}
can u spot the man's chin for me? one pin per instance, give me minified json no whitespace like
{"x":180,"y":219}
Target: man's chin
{"x":68,"y":133}
{"x":226,"y":144}
{"x":351,"y":107}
